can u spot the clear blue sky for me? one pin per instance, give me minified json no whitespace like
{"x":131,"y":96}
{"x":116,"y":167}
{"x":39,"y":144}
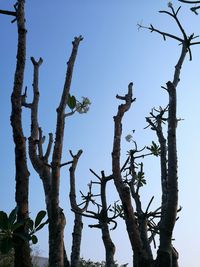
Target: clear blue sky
{"x":112,"y":54}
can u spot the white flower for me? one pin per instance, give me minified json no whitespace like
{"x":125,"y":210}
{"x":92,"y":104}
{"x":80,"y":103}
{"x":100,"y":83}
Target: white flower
{"x":83,"y":107}
{"x":129,"y":138}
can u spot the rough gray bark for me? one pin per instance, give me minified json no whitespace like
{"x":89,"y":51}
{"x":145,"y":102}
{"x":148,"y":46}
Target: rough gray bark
{"x":50,"y":173}
{"x":22,"y":250}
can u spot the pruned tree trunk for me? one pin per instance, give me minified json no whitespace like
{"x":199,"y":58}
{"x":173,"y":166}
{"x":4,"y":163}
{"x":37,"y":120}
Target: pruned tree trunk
{"x":169,"y":208}
{"x":56,"y":235}
{"x":50,"y":173}
{"x":140,"y":258}
{"x":108,"y":243}
{"x":76,"y":240}
{"x":78,"y":224}
{"x":66,"y":261}
{"x":22,"y":249}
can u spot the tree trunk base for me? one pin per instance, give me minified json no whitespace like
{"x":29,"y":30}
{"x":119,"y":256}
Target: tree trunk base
{"x":163,"y":259}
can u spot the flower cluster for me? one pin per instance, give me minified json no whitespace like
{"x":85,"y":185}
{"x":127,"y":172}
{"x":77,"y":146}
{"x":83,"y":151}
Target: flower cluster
{"x":83,"y":107}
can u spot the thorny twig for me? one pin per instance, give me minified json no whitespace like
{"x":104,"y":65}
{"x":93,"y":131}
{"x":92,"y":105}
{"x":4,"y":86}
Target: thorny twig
{"x":193,"y":9}
{"x":185,"y":40}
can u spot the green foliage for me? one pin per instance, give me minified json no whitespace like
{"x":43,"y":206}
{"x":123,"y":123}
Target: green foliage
{"x":118,"y":210}
{"x":9,"y":229}
{"x":71,"y":101}
{"x":34,"y":239}
{"x":7,"y":260}
{"x":155,"y":149}
{"x":3,"y":220}
{"x":6,"y":244}
{"x":40,"y":216}
{"x":78,"y":106}
{"x":140,"y":177}
{"x":89,"y":263}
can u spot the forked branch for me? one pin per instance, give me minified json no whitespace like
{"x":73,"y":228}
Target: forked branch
{"x":11,"y":13}
{"x":186,"y":41}
{"x":193,"y":9}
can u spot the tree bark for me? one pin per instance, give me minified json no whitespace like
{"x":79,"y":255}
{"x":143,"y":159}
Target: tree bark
{"x":108,"y":243}
{"x":78,"y":224}
{"x":50,"y":173}
{"x":169,"y":208}
{"x":55,"y":244}
{"x":76,"y":240}
{"x":140,"y":258}
{"x":22,"y":249}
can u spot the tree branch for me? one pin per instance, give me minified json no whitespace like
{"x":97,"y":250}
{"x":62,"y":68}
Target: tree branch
{"x":189,"y":2}
{"x":122,"y":189}
{"x":57,"y":151}
{"x":186,"y":41}
{"x":48,"y":151}
{"x":72,"y":193}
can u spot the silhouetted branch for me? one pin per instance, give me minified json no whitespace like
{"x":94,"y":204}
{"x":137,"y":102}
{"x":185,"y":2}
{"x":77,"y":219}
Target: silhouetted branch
{"x":9,"y":13}
{"x":148,"y":206}
{"x":72,"y":194}
{"x":186,"y":41}
{"x":48,"y":151}
{"x":94,"y":173}
{"x":66,"y":163}
{"x":189,"y":2}
{"x":12,"y":13}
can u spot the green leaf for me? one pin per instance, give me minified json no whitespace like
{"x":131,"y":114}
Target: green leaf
{"x":71,"y":102}
{"x":141,"y":182}
{"x":154,"y":148}
{"x":6,"y":245}
{"x":30,"y":224}
{"x":42,"y":225}
{"x":13,"y":215}
{"x":140,"y":175}
{"x":4,"y":223}
{"x":16,"y":225}
{"x":34,"y":239}
{"x":41,"y":214}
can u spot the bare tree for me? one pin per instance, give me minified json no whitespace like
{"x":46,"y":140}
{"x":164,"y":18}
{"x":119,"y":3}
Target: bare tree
{"x":50,"y":172}
{"x":101,"y":215}
{"x":22,"y":249}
